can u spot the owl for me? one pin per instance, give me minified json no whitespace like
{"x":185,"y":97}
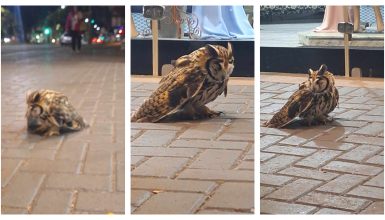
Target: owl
{"x":196,"y":79}
{"x":313,"y":101}
{"x":50,"y":113}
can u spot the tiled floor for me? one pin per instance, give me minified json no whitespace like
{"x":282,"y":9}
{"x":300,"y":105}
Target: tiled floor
{"x":80,"y":172}
{"x":204,"y":166}
{"x":334,"y":168}
{"x":184,"y":167}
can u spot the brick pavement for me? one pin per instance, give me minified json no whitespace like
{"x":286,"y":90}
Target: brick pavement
{"x":204,"y":167}
{"x":337,"y":168}
{"x":80,"y":172}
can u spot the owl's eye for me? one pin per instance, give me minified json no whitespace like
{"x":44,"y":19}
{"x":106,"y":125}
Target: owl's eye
{"x":37,"y":110}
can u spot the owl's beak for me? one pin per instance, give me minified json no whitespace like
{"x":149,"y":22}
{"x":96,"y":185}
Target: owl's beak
{"x":33,"y":124}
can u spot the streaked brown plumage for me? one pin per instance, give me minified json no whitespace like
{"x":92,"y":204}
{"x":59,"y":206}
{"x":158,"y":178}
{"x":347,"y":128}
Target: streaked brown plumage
{"x":196,"y":79}
{"x":313,"y":101}
{"x":50,"y":113}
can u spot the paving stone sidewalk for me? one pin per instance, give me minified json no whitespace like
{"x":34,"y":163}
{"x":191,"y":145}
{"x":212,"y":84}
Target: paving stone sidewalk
{"x":204,"y":167}
{"x":337,"y":168}
{"x":81,"y":172}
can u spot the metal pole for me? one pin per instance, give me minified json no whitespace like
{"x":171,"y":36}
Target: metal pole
{"x":154,"y":47}
{"x":346,"y":45}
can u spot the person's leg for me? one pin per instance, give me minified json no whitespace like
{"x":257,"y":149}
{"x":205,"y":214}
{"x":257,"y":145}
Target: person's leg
{"x":79,"y":39}
{"x":73,"y":39}
{"x":379,"y":21}
{"x":356,"y":14}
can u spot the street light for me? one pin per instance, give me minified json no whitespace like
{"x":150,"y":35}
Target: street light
{"x":86,"y":20}
{"x":47,"y":31}
{"x":95,"y":26}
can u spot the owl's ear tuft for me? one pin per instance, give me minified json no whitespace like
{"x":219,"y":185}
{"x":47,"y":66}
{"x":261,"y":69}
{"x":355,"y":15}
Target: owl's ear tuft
{"x":28,"y":96}
{"x":229,"y":49}
{"x":212,"y":50}
{"x":36,"y":97}
{"x":33,"y":97}
{"x":322,"y":69}
{"x":309,"y":72}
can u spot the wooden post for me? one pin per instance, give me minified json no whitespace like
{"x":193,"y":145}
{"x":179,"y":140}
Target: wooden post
{"x":346,"y":44}
{"x":134,"y":33}
{"x":347,"y":64}
{"x":154,"y":47}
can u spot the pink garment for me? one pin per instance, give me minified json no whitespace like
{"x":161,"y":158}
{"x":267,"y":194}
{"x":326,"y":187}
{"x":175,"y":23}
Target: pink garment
{"x":72,"y":22}
{"x":333,"y":15}
{"x":68,"y":21}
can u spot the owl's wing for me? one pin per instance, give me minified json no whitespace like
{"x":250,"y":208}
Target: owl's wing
{"x":179,"y":63}
{"x":298,"y":103}
{"x":65,"y":114}
{"x":181,"y":85}
{"x":336,"y":97}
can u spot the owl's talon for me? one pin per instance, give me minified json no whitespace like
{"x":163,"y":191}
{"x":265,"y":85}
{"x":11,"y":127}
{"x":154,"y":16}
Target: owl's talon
{"x":217,"y":113}
{"x":329,"y":119}
{"x":205,"y":112}
{"x":322,"y":122}
{"x":51,"y":133}
{"x":213,"y":114}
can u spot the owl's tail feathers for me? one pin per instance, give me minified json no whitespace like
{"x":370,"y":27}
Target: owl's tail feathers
{"x":279,"y":120}
{"x":75,"y":125}
{"x":84,"y":124}
{"x":152,"y":110}
{"x":137,"y":117}
{"x":143,"y":119}
{"x":79,"y":123}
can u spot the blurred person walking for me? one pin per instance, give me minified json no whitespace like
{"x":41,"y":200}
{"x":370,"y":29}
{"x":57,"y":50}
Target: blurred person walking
{"x":73,"y":23}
